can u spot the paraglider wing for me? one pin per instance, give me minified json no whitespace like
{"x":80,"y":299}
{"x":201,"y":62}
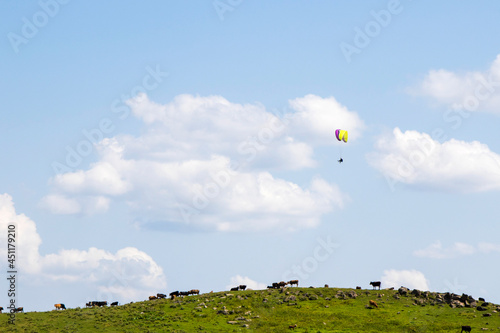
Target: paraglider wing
{"x":341,"y":135}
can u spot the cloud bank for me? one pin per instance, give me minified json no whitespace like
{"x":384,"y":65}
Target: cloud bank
{"x":416,"y":159}
{"x":127,"y":274}
{"x":458,"y":249}
{"x":412,"y":279}
{"x":471,"y":91}
{"x":205,"y":163}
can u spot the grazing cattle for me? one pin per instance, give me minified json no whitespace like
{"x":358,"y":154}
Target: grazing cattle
{"x":184,"y":293}
{"x":373,"y":303}
{"x":194,"y":292}
{"x":327,"y":286}
{"x":152,"y":298}
{"x":234,"y":289}
{"x":466,"y":329}
{"x":88,"y":305}
{"x":358,"y":287}
{"x":242,"y":287}
{"x":114,"y":303}
{"x":376,"y":284}
{"x":1,"y":309}
{"x":99,"y":303}
{"x":276,"y":285}
{"x":282,"y":284}
{"x":174,"y":293}
{"x":270,"y":287}
{"x":20,"y":309}
{"x":292,"y":327}
{"x":292,"y":282}
{"x":60,"y":306}
{"x":161,"y":296}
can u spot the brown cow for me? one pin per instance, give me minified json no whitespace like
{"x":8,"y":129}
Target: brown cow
{"x":152,"y":298}
{"x":60,"y":306}
{"x":194,"y":292}
{"x":292,"y":327}
{"x":373,"y":303}
{"x":20,"y":309}
{"x":292,"y":282}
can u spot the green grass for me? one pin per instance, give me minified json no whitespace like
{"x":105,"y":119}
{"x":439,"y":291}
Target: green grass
{"x":311,"y":309}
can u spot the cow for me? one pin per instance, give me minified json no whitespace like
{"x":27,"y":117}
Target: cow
{"x":373,"y":303}
{"x":174,"y":293}
{"x":184,"y":293}
{"x":242,"y":287}
{"x":114,"y":303}
{"x":376,"y":284}
{"x":292,"y":327}
{"x":20,"y":309}
{"x":99,"y":303}
{"x":1,"y":309}
{"x":194,"y":292}
{"x":161,"y":295}
{"x":282,"y":284}
{"x":234,"y":289}
{"x":466,"y":329}
{"x":276,"y":285}
{"x":292,"y":282}
{"x":60,"y":306}
{"x":358,"y":287}
{"x":152,"y":298}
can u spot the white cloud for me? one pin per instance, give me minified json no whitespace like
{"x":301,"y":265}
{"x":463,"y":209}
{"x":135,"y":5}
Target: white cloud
{"x":60,"y":204}
{"x":204,"y":163}
{"x":417,"y":159}
{"x":317,"y":119}
{"x":412,"y":279}
{"x":436,"y":250}
{"x":245,"y":280}
{"x":471,"y":91}
{"x":128,"y":273}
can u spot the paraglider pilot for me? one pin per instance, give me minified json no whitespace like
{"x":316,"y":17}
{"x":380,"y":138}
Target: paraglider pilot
{"x":341,"y":160}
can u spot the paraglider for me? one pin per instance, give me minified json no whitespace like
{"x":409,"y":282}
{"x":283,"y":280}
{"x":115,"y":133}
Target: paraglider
{"x":341,"y":135}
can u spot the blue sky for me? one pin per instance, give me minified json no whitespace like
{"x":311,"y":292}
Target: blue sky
{"x":161,"y":146}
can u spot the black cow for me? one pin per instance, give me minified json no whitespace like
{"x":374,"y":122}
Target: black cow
{"x":184,"y":293}
{"x":1,"y":309}
{"x":114,"y":303}
{"x":276,"y":285}
{"x":235,"y":289}
{"x":376,"y":284}
{"x":161,"y":295}
{"x":174,"y":294}
{"x":98,"y":303}
{"x":466,"y":329}
{"x":243,"y":287}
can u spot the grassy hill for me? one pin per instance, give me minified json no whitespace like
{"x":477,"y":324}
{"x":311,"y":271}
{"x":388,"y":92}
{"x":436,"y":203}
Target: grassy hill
{"x":311,"y":309}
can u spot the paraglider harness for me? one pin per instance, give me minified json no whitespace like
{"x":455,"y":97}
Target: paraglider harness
{"x":341,"y":160}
